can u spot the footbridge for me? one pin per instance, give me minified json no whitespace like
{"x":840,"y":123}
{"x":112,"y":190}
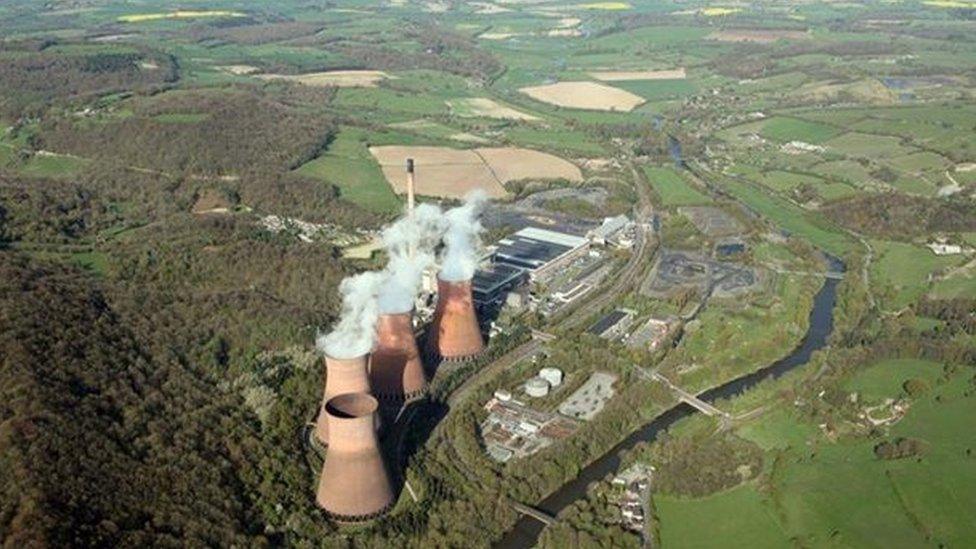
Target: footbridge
{"x":534,"y":512}
{"x":691,"y":399}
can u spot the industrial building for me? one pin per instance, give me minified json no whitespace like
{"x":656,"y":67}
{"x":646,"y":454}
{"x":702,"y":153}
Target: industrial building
{"x":610,"y":228}
{"x":515,"y":430}
{"x":613,"y":324}
{"x":492,"y":284}
{"x":540,"y":251}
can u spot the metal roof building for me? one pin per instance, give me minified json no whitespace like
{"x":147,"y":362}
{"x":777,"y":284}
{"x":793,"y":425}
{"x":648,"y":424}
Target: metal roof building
{"x":539,"y":250}
{"x":491,"y":283}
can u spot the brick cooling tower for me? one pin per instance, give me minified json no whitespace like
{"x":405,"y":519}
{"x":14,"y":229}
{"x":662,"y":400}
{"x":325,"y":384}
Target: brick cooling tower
{"x":342,"y":375}
{"x":354,"y":485}
{"x":396,"y":372}
{"x":454,"y":334}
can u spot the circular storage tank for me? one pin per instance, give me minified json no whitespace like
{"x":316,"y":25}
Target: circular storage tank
{"x":553,"y":375}
{"x":537,"y":387}
{"x":503,"y":395}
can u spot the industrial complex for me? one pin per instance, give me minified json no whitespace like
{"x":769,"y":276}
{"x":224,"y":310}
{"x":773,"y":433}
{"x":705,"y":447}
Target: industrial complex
{"x":454,"y":304}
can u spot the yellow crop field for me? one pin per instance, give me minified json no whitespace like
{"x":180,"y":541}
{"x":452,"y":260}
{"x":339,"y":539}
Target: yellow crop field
{"x":183,"y":14}
{"x":584,"y":95}
{"x":950,"y":4}
{"x":715,"y":12}
{"x":610,"y":6}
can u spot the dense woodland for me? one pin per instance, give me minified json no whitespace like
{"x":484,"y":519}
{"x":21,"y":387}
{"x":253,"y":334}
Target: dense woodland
{"x":212,"y":132}
{"x":895,"y":215}
{"x":31,"y":80}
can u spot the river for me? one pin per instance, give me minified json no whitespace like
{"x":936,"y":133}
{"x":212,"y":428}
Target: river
{"x":526,"y":531}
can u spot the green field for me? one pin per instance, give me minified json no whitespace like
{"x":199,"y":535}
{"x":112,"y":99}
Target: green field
{"x":673,"y":189}
{"x":739,"y":514}
{"x":904,"y":269}
{"x":867,"y":145}
{"x":181,"y":118}
{"x":955,"y":287}
{"x":52,"y":166}
{"x":779,"y":428}
{"x":653,"y":90}
{"x":845,"y":496}
{"x":838,"y":494}
{"x":789,"y":217}
{"x":784,"y":129}
{"x":885,"y":378}
{"x":348,"y":165}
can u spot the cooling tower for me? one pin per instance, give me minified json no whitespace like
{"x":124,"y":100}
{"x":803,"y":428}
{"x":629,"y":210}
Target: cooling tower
{"x":395,"y":371}
{"x":342,"y":375}
{"x":354,"y":485}
{"x":454,"y":334}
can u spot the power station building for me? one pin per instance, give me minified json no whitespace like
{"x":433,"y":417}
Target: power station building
{"x":540,"y":252}
{"x":492,"y":283}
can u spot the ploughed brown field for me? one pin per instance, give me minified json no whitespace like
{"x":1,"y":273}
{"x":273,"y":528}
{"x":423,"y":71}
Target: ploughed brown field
{"x":453,"y":173}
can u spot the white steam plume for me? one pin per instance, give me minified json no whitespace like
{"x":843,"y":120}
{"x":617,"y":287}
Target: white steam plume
{"x":409,"y":243}
{"x":462,"y":241}
{"x":355,"y":333}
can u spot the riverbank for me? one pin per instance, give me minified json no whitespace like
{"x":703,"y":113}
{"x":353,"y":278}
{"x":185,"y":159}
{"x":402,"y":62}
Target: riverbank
{"x":527,"y":530}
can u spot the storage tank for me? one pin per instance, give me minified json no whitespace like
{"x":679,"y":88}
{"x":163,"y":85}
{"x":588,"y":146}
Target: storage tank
{"x":537,"y":387}
{"x":553,"y":375}
{"x":354,"y":485}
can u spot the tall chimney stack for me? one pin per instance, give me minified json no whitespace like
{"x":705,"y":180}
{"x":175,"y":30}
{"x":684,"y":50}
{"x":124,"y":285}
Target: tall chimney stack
{"x":454,"y":333}
{"x":396,"y":372}
{"x":354,"y":485}
{"x":410,"y":187}
{"x":342,"y":375}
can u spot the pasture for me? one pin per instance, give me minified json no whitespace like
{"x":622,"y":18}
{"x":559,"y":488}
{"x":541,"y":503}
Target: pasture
{"x":348,"y":165}
{"x":784,"y":129}
{"x":673,"y":189}
{"x":904,"y":270}
{"x":738,"y":514}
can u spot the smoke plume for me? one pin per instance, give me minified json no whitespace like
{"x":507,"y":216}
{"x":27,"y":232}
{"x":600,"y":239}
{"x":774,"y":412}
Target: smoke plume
{"x":462,"y":242}
{"x":409,"y":244}
{"x":355,"y":333}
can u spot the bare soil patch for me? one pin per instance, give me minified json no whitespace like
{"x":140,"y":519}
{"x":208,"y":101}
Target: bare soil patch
{"x":623,"y":76}
{"x":341,"y":79}
{"x":453,"y":173}
{"x":584,"y":95}
{"x":488,"y":108}
{"x":238,"y":70}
